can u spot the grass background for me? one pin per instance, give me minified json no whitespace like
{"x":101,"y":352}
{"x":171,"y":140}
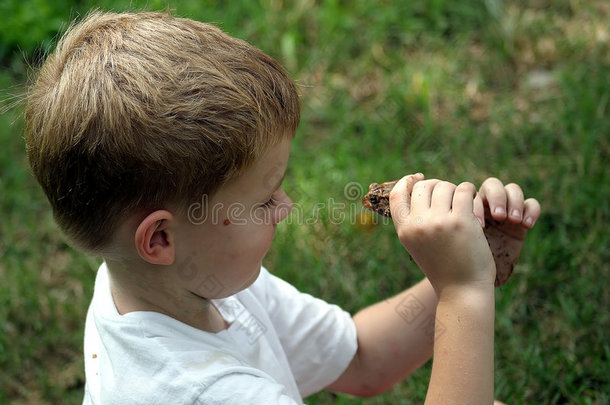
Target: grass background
{"x":458,"y":90}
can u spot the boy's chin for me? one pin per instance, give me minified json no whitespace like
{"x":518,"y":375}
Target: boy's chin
{"x":247,"y":283}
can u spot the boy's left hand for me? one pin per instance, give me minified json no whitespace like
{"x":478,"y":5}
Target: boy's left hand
{"x":508,"y":217}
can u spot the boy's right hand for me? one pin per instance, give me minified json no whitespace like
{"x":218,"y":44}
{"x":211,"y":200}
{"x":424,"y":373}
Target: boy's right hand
{"x":435,"y":222}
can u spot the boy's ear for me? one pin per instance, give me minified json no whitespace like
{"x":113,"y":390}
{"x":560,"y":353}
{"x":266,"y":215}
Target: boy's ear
{"x":154,"y":240}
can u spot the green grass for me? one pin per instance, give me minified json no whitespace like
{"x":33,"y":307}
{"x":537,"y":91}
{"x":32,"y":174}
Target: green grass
{"x":446,"y":88}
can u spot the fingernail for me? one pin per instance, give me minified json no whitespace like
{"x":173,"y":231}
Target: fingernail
{"x":516,"y":214}
{"x":481,"y":221}
{"x":500,"y":211}
{"x":529,"y":222}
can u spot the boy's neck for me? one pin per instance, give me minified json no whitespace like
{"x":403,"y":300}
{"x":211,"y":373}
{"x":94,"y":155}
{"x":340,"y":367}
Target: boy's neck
{"x":150,"y":291}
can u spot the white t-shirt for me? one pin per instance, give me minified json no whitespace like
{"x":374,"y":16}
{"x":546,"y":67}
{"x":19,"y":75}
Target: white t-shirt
{"x":281,"y":345}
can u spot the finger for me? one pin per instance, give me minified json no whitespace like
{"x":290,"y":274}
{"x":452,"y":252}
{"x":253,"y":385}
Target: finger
{"x":479,"y":209}
{"x":400,"y":203}
{"x":442,"y":196}
{"x":463,"y":198}
{"x":514,"y":197}
{"x":531,"y":212}
{"x":422,"y":195}
{"x":494,"y":195}
{"x":411,"y":180}
{"x":400,"y":196}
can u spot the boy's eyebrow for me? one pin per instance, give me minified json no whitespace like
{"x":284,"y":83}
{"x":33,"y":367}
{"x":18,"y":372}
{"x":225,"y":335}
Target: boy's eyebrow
{"x":276,"y":185}
{"x":279,"y":183}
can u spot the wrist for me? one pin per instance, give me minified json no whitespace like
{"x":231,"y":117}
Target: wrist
{"x":457,"y":281}
{"x":468,"y":293}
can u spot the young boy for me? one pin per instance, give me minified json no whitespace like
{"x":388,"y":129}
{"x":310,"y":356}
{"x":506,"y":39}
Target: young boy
{"x":161,"y":144}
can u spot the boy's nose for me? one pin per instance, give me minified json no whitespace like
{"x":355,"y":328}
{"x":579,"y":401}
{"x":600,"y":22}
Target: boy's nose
{"x":283,"y":209}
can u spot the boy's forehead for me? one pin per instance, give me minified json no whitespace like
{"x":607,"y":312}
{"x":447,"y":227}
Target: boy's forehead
{"x":265,"y":174}
{"x":272,"y":166}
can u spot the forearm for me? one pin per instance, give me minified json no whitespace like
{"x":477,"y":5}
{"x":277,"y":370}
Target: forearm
{"x":396,"y":336}
{"x":462,"y":370}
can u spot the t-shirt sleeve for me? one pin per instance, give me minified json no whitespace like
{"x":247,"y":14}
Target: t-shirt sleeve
{"x":240,"y":389}
{"x":319,"y":339}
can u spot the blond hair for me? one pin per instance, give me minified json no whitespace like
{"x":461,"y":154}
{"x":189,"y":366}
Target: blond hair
{"x":138,"y":111}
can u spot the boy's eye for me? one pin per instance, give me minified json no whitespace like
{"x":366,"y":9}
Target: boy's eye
{"x":270,"y":203}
